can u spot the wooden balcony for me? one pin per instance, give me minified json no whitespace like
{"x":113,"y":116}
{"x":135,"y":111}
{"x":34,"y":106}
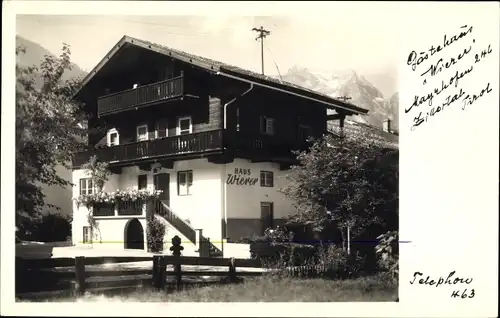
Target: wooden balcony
{"x":182,"y":146}
{"x":262,"y":144}
{"x":155,"y":148}
{"x":141,"y":96}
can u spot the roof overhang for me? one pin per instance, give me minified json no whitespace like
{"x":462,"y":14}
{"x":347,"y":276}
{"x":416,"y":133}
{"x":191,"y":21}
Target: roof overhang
{"x":338,"y":106}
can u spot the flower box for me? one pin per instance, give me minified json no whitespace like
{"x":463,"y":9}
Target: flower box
{"x":131,"y":207}
{"x":103,"y":209}
{"x":108,"y":198}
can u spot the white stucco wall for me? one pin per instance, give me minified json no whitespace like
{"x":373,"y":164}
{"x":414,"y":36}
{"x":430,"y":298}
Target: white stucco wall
{"x":210,"y":200}
{"x":243,"y":201}
{"x":79,"y":213}
{"x":110,"y":232}
{"x":202,"y":207}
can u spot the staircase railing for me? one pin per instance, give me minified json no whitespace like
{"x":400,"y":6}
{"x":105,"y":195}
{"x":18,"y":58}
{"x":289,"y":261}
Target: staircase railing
{"x":173,"y":218}
{"x":182,"y":226}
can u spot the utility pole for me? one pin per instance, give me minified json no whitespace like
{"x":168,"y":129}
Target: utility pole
{"x":344,"y":98}
{"x":262,"y":34}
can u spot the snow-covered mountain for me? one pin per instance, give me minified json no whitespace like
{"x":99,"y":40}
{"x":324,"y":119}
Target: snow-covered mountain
{"x":349,"y":83}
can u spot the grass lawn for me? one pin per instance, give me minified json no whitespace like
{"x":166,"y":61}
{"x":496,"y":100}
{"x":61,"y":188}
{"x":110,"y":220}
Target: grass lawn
{"x":268,"y":289}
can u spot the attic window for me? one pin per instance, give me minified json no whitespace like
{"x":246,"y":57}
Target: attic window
{"x":267,"y":125}
{"x":113,"y":138}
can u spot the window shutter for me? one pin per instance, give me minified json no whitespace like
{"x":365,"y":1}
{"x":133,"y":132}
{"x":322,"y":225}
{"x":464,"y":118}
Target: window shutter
{"x":83,"y":186}
{"x":270,"y":126}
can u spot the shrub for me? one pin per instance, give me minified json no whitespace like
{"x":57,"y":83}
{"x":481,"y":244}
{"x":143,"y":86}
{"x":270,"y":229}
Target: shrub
{"x":337,"y":263}
{"x":155,"y":231}
{"x":278,"y":235}
{"x":50,"y":228}
{"x":388,"y":254}
{"x":387,"y":251}
{"x":253,"y":239}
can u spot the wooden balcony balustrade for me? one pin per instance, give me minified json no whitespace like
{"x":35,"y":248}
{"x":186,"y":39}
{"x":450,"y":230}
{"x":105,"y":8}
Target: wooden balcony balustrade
{"x":168,"y":146}
{"x":260,"y":143}
{"x":141,"y":96}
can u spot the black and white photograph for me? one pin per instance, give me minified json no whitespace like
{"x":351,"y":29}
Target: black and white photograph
{"x":248,"y":157}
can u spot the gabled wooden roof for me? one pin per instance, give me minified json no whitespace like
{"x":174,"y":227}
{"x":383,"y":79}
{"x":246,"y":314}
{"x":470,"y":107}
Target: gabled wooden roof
{"x":224,"y":69}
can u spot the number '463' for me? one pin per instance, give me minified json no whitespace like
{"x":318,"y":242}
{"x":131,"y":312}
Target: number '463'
{"x":463,"y":294}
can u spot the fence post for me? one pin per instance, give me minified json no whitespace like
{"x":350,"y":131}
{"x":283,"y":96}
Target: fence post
{"x":199,"y":238}
{"x":162,"y":266}
{"x":232,"y":270}
{"x":156,"y":271}
{"x":80,"y":274}
{"x":205,"y":247}
{"x":176,"y":249}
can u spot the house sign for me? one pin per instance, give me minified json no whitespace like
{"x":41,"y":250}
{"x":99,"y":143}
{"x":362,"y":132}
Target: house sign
{"x":241,"y":177}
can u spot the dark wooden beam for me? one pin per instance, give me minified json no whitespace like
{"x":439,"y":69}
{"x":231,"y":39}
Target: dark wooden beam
{"x":221,"y":159}
{"x":285,"y":166}
{"x":341,"y":125}
{"x":145,"y":166}
{"x":333,"y":116}
{"x":167,"y":164}
{"x":115,"y":170}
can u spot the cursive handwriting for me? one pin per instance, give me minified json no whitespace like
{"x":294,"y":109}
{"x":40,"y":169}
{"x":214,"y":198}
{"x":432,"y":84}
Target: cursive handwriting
{"x":240,"y":180}
{"x":419,"y":100}
{"x":415,"y":59}
{"x":450,"y":99}
{"x":434,"y":69}
{"x":449,"y":280}
{"x":454,"y":70}
{"x":469,"y":100}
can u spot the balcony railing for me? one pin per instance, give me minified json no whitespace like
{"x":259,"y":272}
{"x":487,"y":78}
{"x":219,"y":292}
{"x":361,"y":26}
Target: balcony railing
{"x":176,"y":145}
{"x":141,"y":96}
{"x":260,"y":143}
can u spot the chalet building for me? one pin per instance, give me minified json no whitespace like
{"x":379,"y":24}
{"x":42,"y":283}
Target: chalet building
{"x":215,"y":138}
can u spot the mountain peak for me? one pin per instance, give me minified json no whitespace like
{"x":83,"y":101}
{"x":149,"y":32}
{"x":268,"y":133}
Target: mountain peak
{"x":347,"y":82}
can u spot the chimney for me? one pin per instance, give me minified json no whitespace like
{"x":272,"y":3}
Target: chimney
{"x":387,"y":126}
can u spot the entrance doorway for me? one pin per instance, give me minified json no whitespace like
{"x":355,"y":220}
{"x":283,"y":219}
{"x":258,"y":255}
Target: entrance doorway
{"x":162,"y":182}
{"x":134,"y":235}
{"x":266,"y":216}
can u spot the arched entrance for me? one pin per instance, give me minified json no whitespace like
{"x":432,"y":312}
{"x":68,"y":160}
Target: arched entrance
{"x":134,"y":235}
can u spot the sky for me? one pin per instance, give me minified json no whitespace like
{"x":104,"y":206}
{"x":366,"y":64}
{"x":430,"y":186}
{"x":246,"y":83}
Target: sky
{"x":305,"y":41}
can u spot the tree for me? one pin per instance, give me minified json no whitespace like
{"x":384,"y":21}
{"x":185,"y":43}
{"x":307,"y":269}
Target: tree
{"x":99,"y":173}
{"x":48,"y":131}
{"x":350,"y":182}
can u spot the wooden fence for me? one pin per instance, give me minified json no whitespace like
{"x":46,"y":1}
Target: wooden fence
{"x":79,"y":274}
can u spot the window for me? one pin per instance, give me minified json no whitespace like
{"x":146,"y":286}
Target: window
{"x":86,"y":186}
{"x":184,"y":126}
{"x":266,"y":179}
{"x":267,"y":125}
{"x":87,"y":238}
{"x":184,"y":182}
{"x":142,"y":181}
{"x":161,"y":129}
{"x":142,"y":132}
{"x":113,"y":137}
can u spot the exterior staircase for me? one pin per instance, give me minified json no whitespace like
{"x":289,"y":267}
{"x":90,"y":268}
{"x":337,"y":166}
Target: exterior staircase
{"x":162,"y":209}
